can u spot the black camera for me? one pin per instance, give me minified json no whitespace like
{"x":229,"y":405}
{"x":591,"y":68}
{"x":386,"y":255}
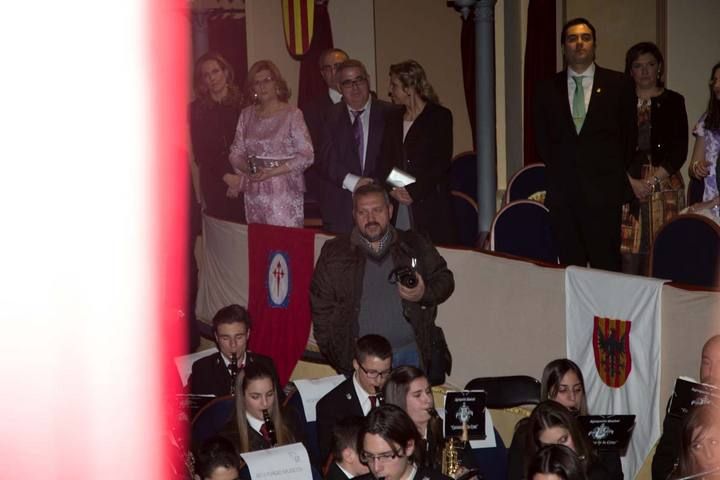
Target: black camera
{"x":405,"y":275}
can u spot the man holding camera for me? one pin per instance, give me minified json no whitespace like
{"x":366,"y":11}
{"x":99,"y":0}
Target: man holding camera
{"x":378,"y":280}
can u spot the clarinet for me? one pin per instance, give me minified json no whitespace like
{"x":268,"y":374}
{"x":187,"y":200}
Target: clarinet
{"x":233,"y":372}
{"x":270,"y":426}
{"x":380,"y":398}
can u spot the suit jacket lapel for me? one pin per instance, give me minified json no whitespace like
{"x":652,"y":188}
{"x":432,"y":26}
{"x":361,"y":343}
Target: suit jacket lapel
{"x":375,"y":130}
{"x":597,"y":91}
{"x":351,"y":396}
{"x":561,"y":85}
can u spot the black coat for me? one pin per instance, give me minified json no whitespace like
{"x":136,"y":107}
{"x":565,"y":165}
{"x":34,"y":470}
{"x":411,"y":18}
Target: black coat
{"x":340,"y":402}
{"x":334,"y":473}
{"x":587,"y":169}
{"x":668,"y":133}
{"x":426,"y":154}
{"x":212,"y":130}
{"x":211,"y":376}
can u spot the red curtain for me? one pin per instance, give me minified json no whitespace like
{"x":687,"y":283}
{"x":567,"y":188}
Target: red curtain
{"x":311,"y":84}
{"x":227,"y":36}
{"x":539,"y":64}
{"x":467,"y":50}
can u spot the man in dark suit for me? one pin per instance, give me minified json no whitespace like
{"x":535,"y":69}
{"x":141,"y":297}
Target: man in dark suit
{"x":585,"y":132}
{"x":357,"y":395}
{"x":212,"y":374}
{"x":315,"y":113}
{"x":351,"y":140}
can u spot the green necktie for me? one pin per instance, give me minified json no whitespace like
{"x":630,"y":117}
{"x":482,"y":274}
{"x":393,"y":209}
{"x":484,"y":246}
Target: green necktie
{"x":578,"y":103}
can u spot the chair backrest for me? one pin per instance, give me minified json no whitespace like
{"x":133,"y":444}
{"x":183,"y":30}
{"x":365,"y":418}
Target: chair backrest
{"x":527,"y":181}
{"x":463,"y":173}
{"x":211,"y":419}
{"x":507,"y":392}
{"x":522,"y":228}
{"x":687,"y":250}
{"x":465,"y":211}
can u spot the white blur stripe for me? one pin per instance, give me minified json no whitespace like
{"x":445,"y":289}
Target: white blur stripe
{"x":75,"y":288}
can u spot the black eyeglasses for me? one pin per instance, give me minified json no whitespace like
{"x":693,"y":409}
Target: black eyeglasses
{"x":374,"y":373}
{"x":369,"y":459}
{"x":357,"y":82}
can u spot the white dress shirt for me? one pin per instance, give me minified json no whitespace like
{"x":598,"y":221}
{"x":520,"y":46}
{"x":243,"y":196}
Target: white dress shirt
{"x":363,"y":396}
{"x":587,"y":81}
{"x":350,"y":180}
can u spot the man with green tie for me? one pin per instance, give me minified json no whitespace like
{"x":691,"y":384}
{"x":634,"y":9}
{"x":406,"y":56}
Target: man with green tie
{"x":585,"y":134}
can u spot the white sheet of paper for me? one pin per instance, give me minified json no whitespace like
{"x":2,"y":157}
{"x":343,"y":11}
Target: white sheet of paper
{"x":184,"y":363}
{"x":398,"y":178}
{"x":489,"y":441}
{"x":311,"y":391}
{"x":289,"y":462}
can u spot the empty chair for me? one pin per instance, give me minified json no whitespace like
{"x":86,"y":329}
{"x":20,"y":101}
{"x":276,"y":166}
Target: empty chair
{"x":687,"y":250}
{"x":463,"y":174}
{"x":507,"y":392}
{"x":465,"y":211}
{"x":211,"y":419}
{"x":502,"y":392}
{"x":522,"y":228}
{"x":528,"y":183}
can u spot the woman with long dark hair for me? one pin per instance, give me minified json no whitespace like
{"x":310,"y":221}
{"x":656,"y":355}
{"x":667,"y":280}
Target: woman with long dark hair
{"x":660,"y":151}
{"x":704,"y":161}
{"x":562,"y":381}
{"x":556,"y":462}
{"x":700,"y":444}
{"x":248,"y":429}
{"x":552,"y":424}
{"x":408,"y":388}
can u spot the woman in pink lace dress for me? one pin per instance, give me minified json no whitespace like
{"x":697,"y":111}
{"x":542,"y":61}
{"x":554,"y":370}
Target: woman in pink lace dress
{"x":271,"y":150}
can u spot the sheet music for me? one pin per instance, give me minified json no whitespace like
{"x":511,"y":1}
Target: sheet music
{"x":289,"y":462}
{"x":398,"y":178}
{"x":312,"y":390}
{"x":489,"y":441}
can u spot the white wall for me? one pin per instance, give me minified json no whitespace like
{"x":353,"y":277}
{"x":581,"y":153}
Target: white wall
{"x":693,"y":39}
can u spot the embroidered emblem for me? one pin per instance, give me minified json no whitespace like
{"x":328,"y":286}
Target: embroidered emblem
{"x":278,"y":280}
{"x":611,"y":345}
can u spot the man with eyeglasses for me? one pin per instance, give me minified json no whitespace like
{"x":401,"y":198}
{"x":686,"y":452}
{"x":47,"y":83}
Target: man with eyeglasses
{"x":316,"y":111}
{"x":352,"y":134}
{"x":387,"y":444}
{"x":357,"y":395}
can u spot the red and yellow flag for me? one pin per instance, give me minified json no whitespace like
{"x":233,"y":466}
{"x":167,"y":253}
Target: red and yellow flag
{"x":298,"y":22}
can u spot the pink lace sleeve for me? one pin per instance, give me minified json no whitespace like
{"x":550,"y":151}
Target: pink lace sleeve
{"x":304,"y":154}
{"x":237,"y":149}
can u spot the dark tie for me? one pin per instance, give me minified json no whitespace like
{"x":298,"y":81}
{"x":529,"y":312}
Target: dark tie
{"x":265,"y":433}
{"x":373,"y":401}
{"x":358,"y":135}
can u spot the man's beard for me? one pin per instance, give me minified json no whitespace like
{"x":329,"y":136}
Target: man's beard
{"x":373,"y":238}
